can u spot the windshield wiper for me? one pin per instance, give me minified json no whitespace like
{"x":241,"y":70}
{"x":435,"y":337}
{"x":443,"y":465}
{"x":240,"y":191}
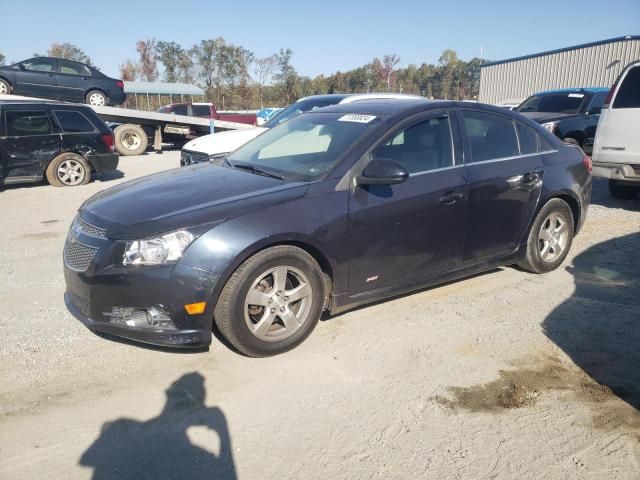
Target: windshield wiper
{"x":253,"y":169}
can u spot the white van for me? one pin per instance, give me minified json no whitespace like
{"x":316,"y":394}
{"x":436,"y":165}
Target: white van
{"x":616,"y":150}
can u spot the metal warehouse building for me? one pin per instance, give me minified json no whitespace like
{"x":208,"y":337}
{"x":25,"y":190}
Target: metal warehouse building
{"x":589,"y":65}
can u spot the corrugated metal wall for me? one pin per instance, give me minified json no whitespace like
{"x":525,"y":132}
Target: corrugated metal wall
{"x":593,"y":66}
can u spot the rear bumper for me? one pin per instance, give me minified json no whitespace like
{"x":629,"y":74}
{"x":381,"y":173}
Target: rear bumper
{"x":617,"y":171}
{"x":104,"y":162}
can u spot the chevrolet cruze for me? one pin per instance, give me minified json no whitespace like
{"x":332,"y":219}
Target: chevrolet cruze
{"x":336,"y":208}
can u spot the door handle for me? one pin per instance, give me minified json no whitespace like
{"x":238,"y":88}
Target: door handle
{"x":450,"y":198}
{"x":526,"y":179}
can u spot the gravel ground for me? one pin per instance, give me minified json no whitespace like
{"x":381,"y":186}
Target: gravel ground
{"x":503,"y":375}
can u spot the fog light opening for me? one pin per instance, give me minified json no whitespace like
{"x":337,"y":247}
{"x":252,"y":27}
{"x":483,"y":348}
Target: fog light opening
{"x":152,"y":317}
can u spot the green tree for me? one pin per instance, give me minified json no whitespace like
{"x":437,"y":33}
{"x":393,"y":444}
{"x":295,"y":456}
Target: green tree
{"x":449,"y":68}
{"x":70,"y":52}
{"x":1,"y":59}
{"x":169,"y":55}
{"x":287,"y":77}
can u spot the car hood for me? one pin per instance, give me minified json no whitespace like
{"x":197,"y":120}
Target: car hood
{"x":184,"y":197}
{"x":543,"y":117}
{"x":223,"y":142}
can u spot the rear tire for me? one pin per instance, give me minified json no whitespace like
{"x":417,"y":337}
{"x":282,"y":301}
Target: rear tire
{"x":68,"y":170}
{"x":130,"y":139}
{"x":272,"y":302}
{"x":5,"y":87}
{"x":550,"y":237}
{"x":622,"y":191}
{"x":96,"y":98}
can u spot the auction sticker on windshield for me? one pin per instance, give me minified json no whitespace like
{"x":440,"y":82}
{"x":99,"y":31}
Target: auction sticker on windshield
{"x":352,"y":117}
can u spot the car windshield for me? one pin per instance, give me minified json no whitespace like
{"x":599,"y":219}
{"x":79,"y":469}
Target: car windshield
{"x":556,"y":103}
{"x":304,"y":148}
{"x":297,"y":108}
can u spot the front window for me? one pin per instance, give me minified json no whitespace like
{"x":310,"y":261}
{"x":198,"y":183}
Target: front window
{"x":296,"y":109}
{"x":555,"y":103}
{"x":305,"y":148}
{"x":22,"y":123}
{"x":39,"y":65}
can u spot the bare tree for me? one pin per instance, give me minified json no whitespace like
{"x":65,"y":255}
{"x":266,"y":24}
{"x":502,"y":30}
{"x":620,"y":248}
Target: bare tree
{"x":68,"y":51}
{"x":263,"y":71}
{"x":128,"y":70}
{"x":148,"y":67}
{"x":389,"y":63}
{"x":1,"y":59}
{"x":287,"y":75}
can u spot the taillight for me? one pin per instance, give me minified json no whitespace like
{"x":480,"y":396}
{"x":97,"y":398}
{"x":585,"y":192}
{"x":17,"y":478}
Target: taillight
{"x":586,"y":161}
{"x":107,"y":139}
{"x":120,"y":84}
{"x":607,"y":101}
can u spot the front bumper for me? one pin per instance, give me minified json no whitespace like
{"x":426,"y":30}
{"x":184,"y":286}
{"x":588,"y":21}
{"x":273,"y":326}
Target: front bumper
{"x":104,"y":162}
{"x":97,"y":286}
{"x":617,"y":171}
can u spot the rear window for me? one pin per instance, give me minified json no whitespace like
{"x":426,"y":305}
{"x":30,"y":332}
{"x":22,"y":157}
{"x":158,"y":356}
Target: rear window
{"x":74,"y":68}
{"x":491,"y":136}
{"x":628,"y":95}
{"x":73,"y":122}
{"x":201,"y":110}
{"x":24,"y":123}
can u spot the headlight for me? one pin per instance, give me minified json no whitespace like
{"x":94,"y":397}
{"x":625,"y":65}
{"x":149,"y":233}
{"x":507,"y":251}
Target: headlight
{"x":551,"y":126}
{"x":158,"y":250}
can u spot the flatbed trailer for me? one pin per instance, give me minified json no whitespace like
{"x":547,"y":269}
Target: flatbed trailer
{"x":134,"y":129}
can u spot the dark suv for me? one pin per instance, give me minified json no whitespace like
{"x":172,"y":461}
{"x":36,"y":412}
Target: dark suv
{"x":60,"y":79}
{"x":570,"y":114}
{"x":64,"y":143}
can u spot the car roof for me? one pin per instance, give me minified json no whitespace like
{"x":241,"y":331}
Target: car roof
{"x":38,"y":103}
{"x":382,"y":106}
{"x":329,"y":96}
{"x":574,"y":90}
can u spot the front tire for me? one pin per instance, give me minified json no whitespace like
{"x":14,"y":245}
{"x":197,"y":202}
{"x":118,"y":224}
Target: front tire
{"x":68,"y":170}
{"x":622,"y":191}
{"x":550,"y":237}
{"x":130,"y":139}
{"x":96,"y":98}
{"x":272,"y":302}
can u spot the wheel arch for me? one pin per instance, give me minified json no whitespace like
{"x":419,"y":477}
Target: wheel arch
{"x":571,"y":200}
{"x":3,"y":77}
{"x":306,"y":244}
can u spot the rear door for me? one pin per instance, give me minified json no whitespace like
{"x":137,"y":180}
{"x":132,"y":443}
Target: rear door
{"x":74,"y":80}
{"x":618,"y":134}
{"x":37,"y":77}
{"x":30,"y":140}
{"x":416,"y":229}
{"x":505,"y":183}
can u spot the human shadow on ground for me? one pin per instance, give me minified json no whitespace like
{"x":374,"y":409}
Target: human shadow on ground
{"x":599,"y":326}
{"x":161,"y":448}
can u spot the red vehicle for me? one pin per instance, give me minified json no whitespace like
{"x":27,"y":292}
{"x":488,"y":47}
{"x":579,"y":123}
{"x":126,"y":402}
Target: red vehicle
{"x":207,"y":110}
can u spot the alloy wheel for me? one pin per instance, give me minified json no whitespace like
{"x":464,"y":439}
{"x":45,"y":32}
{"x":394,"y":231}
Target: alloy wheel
{"x":553,"y":237}
{"x":70,"y":172}
{"x":278,"y":303}
{"x":3,"y":88}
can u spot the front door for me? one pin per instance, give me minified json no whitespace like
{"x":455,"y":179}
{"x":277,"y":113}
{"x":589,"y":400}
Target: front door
{"x":505,"y":183}
{"x":38,"y":78}
{"x":400,"y":233}
{"x":27,"y":145}
{"x":74,"y":80}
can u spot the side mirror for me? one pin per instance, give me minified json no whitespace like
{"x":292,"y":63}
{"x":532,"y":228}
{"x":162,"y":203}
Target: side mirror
{"x":21,"y":66}
{"x":382,"y":171}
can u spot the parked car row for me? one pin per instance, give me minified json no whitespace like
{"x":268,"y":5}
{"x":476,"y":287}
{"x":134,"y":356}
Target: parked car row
{"x":333,"y":208}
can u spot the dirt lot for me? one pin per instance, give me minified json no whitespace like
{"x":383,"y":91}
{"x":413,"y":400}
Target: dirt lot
{"x":504,"y":375}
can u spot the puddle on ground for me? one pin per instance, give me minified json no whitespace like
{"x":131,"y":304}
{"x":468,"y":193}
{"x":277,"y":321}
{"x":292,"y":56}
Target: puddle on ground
{"x":41,"y":235}
{"x":524,"y":386}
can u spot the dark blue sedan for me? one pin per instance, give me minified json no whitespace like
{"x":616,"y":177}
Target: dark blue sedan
{"x":336,"y":208}
{"x":60,"y":79}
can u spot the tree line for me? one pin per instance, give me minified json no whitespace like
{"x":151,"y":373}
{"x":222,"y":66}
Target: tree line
{"x":234,"y":78}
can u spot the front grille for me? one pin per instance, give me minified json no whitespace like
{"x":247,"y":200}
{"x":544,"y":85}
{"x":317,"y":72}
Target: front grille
{"x":81,"y":304}
{"x":77,"y":256}
{"x":89,"y":229}
{"x":190,"y":157}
